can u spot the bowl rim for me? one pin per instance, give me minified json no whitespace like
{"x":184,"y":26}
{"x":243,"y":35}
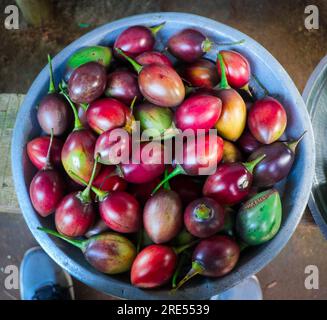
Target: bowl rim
{"x":126,"y":290}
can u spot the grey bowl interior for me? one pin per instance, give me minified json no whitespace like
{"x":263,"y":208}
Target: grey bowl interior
{"x":295,"y":190}
{"x":315,"y":96}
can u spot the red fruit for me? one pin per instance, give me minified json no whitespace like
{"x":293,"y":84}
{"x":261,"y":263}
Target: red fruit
{"x":37,"y":150}
{"x":204,"y":217}
{"x":151,"y":57}
{"x":248,"y":143}
{"x":267,"y":120}
{"x":106,"y":114}
{"x":121,"y":212}
{"x":46,"y":191}
{"x":238,"y":69}
{"x":153,"y":266}
{"x":73,"y":217}
{"x":123,"y":85}
{"x":202,"y":73}
{"x":114,"y":146}
{"x":198,"y":112}
{"x":151,"y":164}
{"x":142,"y":191}
{"x":108,"y":180}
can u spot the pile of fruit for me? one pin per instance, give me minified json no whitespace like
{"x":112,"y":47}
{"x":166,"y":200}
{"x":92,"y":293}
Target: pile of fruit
{"x":152,"y":218}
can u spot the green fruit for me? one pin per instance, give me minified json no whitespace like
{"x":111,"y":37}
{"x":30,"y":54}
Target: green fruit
{"x":260,"y":217}
{"x":98,"y":54}
{"x":156,"y":120}
{"x":229,"y":222}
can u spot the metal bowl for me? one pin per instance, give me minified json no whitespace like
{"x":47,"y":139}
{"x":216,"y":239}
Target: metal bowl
{"x":315,"y":97}
{"x":295,"y":190}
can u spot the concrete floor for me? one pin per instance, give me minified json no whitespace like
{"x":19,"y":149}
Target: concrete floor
{"x":277,"y":25}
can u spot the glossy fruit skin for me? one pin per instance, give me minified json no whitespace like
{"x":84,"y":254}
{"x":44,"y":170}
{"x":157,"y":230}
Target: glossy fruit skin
{"x":98,"y":227}
{"x":232,"y":120}
{"x":187,"y":189}
{"x":123,"y":86}
{"x":87,"y":82}
{"x":46,"y":191}
{"x":37,"y":150}
{"x":187,"y":45}
{"x":82,"y":116}
{"x":151,"y":57}
{"x":238,"y":71}
{"x":108,"y":180}
{"x":153,"y":266}
{"x":198,"y":112}
{"x":204,"y":227}
{"x":77,"y":154}
{"x":147,"y":170}
{"x":259,"y":218}
{"x":201,"y":73}
{"x":231,"y":153}
{"x":248,"y":143}
{"x":110,"y":253}
{"x":54,"y":113}
{"x":73,"y":217}
{"x":121,"y":212}
{"x":161,"y":85}
{"x":106,"y":114}
{"x":153,"y":118}
{"x":275,"y":166}
{"x":162,"y":216}
{"x":135,"y":40}
{"x":99,"y":54}
{"x":114,"y":146}
{"x":217,"y":254}
{"x":211,"y":150}
{"x":267,"y":120}
{"x":229,"y":185}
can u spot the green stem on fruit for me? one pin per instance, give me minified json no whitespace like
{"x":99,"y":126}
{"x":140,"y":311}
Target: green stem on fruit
{"x":52,"y":88}
{"x":182,"y":248}
{"x":261,"y":85}
{"x":202,"y":212}
{"x":231,"y":43}
{"x":84,"y":106}
{"x":100,"y":193}
{"x":77,"y":243}
{"x":155,"y":29}
{"x":181,"y":262}
{"x":85,"y":194}
{"x":177,"y":171}
{"x":223,"y":82}
{"x":134,"y":64}
{"x":166,"y":185}
{"x":197,"y":268}
{"x":48,"y":164}
{"x":251,"y":165}
{"x":292,"y":145}
{"x":77,"y":122}
{"x":207,"y":45}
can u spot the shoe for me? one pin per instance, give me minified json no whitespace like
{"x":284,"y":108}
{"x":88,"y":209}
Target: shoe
{"x":248,"y":289}
{"x":42,"y":279}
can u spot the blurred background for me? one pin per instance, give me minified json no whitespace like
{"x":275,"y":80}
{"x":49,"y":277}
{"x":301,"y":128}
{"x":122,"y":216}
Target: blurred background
{"x":47,"y":26}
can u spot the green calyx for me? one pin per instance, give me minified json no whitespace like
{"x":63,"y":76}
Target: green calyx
{"x":134,"y":64}
{"x":207,"y":45}
{"x":223,"y":82}
{"x":177,"y":171}
{"x":251,"y":165}
{"x":81,"y":244}
{"x":259,"y":219}
{"x":77,"y":122}
{"x":85,"y":196}
{"x":155,"y":29}
{"x":52,"y":88}
{"x":202,"y":212}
